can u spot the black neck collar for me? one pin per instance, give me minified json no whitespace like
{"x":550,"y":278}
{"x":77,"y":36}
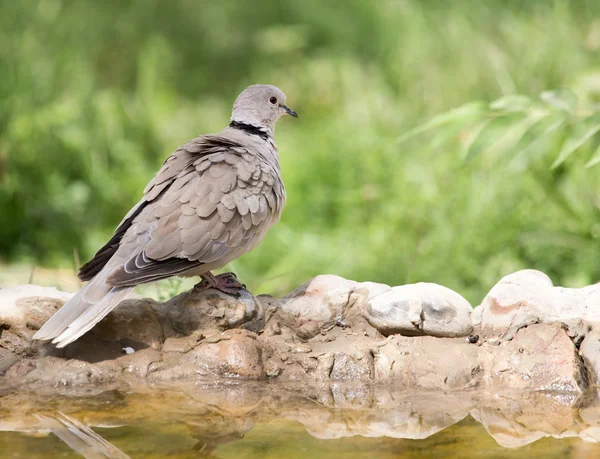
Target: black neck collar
{"x":250,"y":129}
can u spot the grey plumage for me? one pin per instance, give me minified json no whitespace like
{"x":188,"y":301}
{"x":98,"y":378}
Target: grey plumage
{"x":213,"y":200}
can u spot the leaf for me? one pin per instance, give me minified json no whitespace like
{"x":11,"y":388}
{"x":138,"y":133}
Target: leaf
{"x":595,"y":159}
{"x":442,"y":135}
{"x":476,"y":138}
{"x":469,"y":111}
{"x":554,"y":120}
{"x":512,"y":103}
{"x":573,"y":143}
{"x":545,"y":125}
{"x":492,"y":133}
{"x":562,"y":99}
{"x":514,"y":133}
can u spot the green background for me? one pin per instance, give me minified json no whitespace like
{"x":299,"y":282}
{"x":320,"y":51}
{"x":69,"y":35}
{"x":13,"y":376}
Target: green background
{"x":94,"y":95}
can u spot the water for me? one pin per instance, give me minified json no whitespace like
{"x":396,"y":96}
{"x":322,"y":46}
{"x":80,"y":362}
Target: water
{"x":250,"y":420}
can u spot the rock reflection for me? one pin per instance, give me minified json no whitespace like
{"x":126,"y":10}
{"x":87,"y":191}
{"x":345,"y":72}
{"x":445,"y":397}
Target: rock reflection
{"x":217,"y":415}
{"x":212,"y":431}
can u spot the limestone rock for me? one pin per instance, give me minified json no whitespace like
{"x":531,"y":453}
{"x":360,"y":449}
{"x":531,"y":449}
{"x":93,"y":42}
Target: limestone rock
{"x":15,"y":307}
{"x":212,"y":309}
{"x":540,"y":358}
{"x":322,"y":299}
{"x":351,"y":367}
{"x":27,"y":307}
{"x":23,"y":310}
{"x":528,"y":297}
{"x":428,"y":363}
{"x":7,"y":359}
{"x":231,"y":354}
{"x":411,"y":310}
{"x":420,"y":309}
{"x":329,"y":331}
{"x":133,"y":324}
{"x":590,"y":352}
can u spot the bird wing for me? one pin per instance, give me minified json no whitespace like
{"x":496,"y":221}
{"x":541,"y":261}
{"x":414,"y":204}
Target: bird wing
{"x":211,"y":201}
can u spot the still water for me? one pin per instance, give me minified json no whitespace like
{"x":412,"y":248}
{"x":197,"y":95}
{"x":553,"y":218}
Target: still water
{"x":272,"y":421}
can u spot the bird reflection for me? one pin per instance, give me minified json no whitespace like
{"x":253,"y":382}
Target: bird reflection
{"x":80,"y":438}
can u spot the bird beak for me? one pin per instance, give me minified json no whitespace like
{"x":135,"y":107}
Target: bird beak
{"x":289,"y":111}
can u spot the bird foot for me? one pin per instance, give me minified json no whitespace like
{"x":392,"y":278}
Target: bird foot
{"x":226,"y":283}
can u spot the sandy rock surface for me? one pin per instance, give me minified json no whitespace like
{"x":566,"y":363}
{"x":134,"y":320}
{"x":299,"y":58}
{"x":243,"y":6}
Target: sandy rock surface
{"x":526,"y":335}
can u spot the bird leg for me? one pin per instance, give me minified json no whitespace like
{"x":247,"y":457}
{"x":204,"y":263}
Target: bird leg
{"x":226,"y":283}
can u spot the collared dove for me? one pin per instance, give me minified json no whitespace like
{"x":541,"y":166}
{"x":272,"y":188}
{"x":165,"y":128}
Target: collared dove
{"x":213,"y":200}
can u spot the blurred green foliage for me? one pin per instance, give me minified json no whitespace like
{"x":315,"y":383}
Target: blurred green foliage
{"x":95,"y":94}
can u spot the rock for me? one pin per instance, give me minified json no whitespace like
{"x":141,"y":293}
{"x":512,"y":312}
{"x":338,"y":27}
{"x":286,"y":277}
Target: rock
{"x":211,"y":309}
{"x":528,"y":297}
{"x":476,"y":317}
{"x":416,"y":309}
{"x":351,"y":367}
{"x":322,"y":299}
{"x":139,"y":363}
{"x":231,"y":354}
{"x":329,"y":331}
{"x":183,"y":344}
{"x":23,"y":310}
{"x":29,"y":306}
{"x":60,"y":373}
{"x":132,"y":324}
{"x":7,"y":359}
{"x":428,"y":363}
{"x":540,"y":358}
{"x":420,"y":309}
{"x":590,"y":352}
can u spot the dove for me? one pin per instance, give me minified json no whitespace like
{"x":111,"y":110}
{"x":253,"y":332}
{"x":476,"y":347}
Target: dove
{"x":212,"y":201}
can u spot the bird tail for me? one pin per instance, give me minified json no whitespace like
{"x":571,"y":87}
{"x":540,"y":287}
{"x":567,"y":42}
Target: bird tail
{"x":88,"y":307}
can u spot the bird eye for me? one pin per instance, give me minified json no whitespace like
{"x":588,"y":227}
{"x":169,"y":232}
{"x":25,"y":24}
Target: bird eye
{"x":273,"y":100}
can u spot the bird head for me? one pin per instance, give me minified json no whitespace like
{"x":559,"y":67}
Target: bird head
{"x":261,"y":105}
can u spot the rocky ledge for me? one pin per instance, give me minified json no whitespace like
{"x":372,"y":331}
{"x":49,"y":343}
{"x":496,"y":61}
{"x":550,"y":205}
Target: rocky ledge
{"x":526,"y":335}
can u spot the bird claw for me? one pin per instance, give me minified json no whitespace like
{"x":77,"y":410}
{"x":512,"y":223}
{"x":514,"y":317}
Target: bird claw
{"x":226,"y":283}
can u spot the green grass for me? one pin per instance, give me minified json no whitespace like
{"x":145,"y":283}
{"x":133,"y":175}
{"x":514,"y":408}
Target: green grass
{"x":94,"y":96}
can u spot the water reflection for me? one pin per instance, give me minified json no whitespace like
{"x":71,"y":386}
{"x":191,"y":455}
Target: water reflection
{"x":79,"y":437}
{"x":213,"y":421}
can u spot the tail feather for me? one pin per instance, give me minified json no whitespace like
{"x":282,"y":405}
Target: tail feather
{"x":90,"y":305}
{"x":93,"y":314}
{"x":70,"y":311}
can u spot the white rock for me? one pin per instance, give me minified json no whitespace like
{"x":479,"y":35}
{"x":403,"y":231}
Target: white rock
{"x":15,"y":309}
{"x":590,"y":352}
{"x":528,"y":296}
{"x":321,"y":299}
{"x":420,"y":309}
